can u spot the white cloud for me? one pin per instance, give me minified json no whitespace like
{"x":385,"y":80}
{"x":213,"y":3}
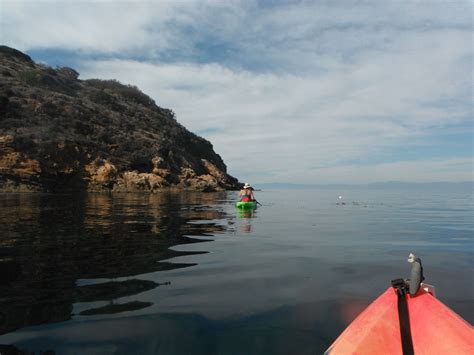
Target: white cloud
{"x":101,"y":26}
{"x":282,"y":90}
{"x":295,"y":122}
{"x":449,"y":170}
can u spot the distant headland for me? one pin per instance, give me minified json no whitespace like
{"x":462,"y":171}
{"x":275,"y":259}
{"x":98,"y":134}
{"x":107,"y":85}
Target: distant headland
{"x":59,"y":133}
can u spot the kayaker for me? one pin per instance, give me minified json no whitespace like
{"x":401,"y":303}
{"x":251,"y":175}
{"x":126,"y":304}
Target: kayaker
{"x":246,"y":194}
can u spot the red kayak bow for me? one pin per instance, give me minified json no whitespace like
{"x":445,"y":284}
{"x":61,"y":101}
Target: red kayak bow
{"x":406,"y":319}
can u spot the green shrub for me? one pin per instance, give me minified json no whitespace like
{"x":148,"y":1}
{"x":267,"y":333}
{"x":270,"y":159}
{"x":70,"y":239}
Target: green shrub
{"x":47,"y":79}
{"x":101,"y":97}
{"x":68,"y":73}
{"x":126,"y":91}
{"x":103,"y":84}
{"x":31,"y":77}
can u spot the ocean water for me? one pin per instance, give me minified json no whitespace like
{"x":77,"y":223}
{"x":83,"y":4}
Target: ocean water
{"x":188,"y":273}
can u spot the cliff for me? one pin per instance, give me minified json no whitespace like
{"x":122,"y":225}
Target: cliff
{"x":60,"y":133}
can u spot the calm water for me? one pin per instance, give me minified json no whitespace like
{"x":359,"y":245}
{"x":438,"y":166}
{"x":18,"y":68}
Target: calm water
{"x":189,"y":274}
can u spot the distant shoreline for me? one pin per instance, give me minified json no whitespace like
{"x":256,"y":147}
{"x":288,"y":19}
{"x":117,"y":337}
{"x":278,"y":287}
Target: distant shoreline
{"x":375,"y":185}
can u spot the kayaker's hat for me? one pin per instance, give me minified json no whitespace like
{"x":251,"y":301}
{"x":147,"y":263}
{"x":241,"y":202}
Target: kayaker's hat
{"x":247,"y":186}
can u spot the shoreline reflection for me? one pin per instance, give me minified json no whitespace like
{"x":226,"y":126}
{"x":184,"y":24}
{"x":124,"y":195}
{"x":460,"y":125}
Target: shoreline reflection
{"x":51,"y":241}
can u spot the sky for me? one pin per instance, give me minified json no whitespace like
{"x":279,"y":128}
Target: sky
{"x":310,"y":92}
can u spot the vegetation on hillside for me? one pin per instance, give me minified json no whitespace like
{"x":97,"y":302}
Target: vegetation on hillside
{"x":65,"y":124}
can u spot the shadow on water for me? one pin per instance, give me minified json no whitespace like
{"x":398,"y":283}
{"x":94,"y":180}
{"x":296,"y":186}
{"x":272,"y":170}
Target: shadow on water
{"x":49,"y":242}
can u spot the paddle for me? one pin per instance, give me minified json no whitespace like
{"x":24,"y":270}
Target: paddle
{"x":258,"y":203}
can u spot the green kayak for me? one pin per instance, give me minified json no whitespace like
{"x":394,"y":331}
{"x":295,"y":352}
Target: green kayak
{"x":246,"y":205}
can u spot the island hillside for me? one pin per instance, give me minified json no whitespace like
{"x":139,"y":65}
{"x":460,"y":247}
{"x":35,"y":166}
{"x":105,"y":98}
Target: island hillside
{"x":59,"y":133}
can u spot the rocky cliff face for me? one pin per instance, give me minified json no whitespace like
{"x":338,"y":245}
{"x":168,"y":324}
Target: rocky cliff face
{"x":60,"y":133}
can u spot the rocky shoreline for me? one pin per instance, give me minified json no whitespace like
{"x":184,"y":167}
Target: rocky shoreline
{"x":60,"y":133}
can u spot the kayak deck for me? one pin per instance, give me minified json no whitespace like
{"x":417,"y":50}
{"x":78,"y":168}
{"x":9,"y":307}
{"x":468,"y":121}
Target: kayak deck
{"x":246,"y":205}
{"x":435,"y":328}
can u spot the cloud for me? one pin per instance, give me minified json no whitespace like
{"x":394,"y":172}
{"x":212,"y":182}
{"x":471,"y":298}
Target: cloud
{"x":435,"y":170}
{"x":295,"y":122}
{"x":98,"y":26}
{"x":283,"y":91}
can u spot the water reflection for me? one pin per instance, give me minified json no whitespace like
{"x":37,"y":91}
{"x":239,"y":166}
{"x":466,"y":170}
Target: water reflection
{"x":246,"y":216}
{"x":291,"y":288}
{"x":297,"y":329}
{"x":49,"y":242}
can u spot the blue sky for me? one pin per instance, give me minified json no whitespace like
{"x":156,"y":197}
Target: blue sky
{"x":287,"y":91}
